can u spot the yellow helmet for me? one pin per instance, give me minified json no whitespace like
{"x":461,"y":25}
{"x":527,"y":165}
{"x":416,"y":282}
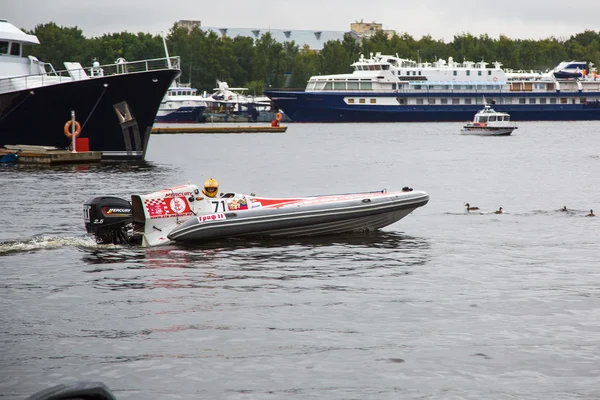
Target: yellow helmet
{"x":211,"y":187}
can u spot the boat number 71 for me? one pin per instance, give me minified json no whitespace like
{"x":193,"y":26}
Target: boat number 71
{"x":219,"y":205}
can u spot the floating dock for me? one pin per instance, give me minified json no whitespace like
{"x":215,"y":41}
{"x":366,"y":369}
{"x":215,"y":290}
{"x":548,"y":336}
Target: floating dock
{"x":49,"y":155}
{"x":218,"y":129}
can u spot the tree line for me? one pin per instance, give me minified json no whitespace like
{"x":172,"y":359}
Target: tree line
{"x":254,"y":63}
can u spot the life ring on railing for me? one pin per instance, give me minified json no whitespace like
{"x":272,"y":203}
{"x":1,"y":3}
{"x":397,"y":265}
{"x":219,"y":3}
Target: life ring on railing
{"x":278,"y":116}
{"x":495,"y":79}
{"x":67,"y":129}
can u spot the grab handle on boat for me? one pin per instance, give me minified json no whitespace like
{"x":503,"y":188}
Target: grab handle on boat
{"x":366,"y":200}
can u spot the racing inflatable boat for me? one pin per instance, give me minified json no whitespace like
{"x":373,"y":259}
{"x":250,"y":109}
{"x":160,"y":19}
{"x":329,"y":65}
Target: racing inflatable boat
{"x":184,"y":214}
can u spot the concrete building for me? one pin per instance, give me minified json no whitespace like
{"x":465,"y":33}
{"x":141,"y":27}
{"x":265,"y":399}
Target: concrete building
{"x":368,"y":29}
{"x":189,"y":24}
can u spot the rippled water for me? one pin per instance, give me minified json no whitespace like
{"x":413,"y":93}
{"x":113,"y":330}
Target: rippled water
{"x":443,"y":304}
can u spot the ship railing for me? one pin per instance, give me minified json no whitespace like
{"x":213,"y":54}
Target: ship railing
{"x":52,"y":77}
{"x":431,"y":92}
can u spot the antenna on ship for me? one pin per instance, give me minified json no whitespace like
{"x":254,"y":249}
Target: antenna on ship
{"x":166,"y":50}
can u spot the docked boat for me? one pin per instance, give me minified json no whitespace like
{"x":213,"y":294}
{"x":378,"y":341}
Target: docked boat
{"x":385,"y":88}
{"x":115,"y":105}
{"x":182,"y":103}
{"x":488,"y":122}
{"x":570,"y":70}
{"x":229,"y":103}
{"x":185,"y":214}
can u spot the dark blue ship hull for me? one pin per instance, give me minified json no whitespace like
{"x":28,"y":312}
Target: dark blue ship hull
{"x":183,"y":115}
{"x":302,"y":106}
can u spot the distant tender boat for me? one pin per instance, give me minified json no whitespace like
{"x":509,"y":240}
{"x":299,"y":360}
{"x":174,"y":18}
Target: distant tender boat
{"x":488,"y":122}
{"x":183,"y":214}
{"x":182,"y":103}
{"x":570,"y":70}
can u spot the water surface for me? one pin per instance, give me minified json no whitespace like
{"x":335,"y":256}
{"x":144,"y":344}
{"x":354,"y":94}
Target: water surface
{"x":443,"y":304}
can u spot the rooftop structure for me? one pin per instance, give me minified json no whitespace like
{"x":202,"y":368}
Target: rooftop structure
{"x":368,"y":29}
{"x":311,"y":38}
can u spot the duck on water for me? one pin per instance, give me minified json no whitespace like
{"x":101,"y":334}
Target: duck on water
{"x":469,"y":208}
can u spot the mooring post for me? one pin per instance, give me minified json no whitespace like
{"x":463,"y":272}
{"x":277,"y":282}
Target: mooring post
{"x":73,"y":137}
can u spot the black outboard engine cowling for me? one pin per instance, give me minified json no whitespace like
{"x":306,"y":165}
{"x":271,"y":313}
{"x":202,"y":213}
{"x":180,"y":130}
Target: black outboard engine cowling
{"x":109,"y":219}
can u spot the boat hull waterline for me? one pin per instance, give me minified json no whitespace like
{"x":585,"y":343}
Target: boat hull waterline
{"x":182,"y":115}
{"x":346,"y":216}
{"x":487,"y":132}
{"x":331,"y":108}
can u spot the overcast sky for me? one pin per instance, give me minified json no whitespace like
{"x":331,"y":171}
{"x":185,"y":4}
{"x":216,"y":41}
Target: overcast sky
{"x":442,"y":19}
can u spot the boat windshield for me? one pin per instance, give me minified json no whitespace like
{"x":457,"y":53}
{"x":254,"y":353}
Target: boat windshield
{"x":482,"y":119}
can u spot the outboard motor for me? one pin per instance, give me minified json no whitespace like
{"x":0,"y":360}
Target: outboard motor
{"x":109,"y":219}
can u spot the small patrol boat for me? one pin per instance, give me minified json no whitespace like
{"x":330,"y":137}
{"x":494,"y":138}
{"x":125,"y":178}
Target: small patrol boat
{"x":185,"y":214}
{"x":488,"y":122}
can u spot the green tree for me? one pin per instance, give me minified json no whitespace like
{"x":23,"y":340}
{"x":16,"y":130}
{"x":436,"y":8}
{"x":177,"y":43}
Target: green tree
{"x":58,"y":44}
{"x":333,"y":59}
{"x":269,"y":61}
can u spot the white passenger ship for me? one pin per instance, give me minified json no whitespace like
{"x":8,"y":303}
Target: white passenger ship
{"x":386,"y":88}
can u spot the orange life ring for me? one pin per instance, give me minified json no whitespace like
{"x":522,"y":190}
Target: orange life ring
{"x":495,"y":79}
{"x":67,"y":129}
{"x":278,"y":116}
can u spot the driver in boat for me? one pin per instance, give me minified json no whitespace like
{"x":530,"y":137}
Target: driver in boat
{"x":211,"y":188}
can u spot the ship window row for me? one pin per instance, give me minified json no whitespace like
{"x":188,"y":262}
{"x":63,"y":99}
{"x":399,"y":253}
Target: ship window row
{"x":373,"y":67}
{"x":468,"y":72}
{"x":181,"y":93}
{"x":454,"y":72}
{"x":368,"y":85}
{"x":506,"y":100}
{"x":410,"y":73}
{"x":478,"y":100}
{"x":341,"y":85}
{"x":480,"y":86}
{"x":493,"y":118}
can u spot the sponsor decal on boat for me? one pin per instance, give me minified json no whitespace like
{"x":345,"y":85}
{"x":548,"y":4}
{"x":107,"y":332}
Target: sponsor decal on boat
{"x":237,"y":204}
{"x":210,"y":217}
{"x":181,"y":194}
{"x":116,"y":211}
{"x":166,"y":208}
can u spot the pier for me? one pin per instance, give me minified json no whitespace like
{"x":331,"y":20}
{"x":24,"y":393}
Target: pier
{"x":217,"y":129}
{"x":49,"y":155}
